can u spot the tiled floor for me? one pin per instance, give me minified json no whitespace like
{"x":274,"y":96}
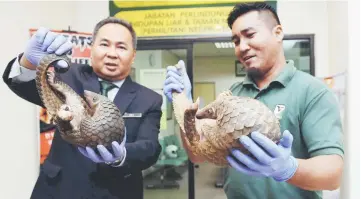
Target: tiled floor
{"x":205,"y":178}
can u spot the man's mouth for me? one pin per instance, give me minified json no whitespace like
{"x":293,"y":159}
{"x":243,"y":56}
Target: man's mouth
{"x":110,"y":64}
{"x":246,"y":58}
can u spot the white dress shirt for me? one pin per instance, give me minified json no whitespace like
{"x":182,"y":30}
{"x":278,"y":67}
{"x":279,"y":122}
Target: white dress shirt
{"x":19,"y":73}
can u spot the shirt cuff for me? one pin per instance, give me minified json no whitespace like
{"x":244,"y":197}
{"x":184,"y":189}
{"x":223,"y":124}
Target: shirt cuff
{"x":21,"y":74}
{"x":329,"y":151}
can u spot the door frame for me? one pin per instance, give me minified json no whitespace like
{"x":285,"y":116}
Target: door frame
{"x":154,"y":45}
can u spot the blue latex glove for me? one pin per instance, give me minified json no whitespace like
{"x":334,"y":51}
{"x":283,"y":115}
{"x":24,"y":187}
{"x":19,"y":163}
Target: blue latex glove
{"x":272,"y":161}
{"x":175,"y":82}
{"x":119,"y":153}
{"x":45,"y":42}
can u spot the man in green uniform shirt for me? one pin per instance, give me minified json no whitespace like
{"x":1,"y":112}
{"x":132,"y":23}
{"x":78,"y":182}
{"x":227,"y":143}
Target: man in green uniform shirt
{"x":309,"y":157}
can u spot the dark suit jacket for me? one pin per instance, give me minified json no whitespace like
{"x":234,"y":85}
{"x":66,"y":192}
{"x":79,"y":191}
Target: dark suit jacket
{"x":67,"y":174}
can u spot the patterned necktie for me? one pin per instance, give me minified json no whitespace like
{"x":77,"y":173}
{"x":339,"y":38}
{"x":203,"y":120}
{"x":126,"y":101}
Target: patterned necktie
{"x":106,"y":87}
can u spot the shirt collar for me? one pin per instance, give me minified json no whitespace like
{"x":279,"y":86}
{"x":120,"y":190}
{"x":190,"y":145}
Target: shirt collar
{"x":283,"y":78}
{"x":287,"y":73}
{"x":118,"y":83}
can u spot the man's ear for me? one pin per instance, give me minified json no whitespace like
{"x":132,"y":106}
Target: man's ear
{"x":91,"y":53}
{"x":278,"y":32}
{"x":134,"y":55}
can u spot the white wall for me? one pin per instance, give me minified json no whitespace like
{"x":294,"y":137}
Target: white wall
{"x":328,"y":20}
{"x":351,"y":180}
{"x":338,"y":38}
{"x":305,"y":17}
{"x":19,"y":123}
{"x":20,"y":157}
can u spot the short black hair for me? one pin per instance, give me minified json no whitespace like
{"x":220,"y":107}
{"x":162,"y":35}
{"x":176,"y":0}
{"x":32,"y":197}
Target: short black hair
{"x":244,"y":8}
{"x":119,"y":21}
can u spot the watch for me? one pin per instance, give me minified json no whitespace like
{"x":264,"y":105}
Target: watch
{"x":116,"y":163}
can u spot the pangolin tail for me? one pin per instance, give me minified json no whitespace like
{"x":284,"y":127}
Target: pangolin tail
{"x":180,"y":103}
{"x":51,"y":91}
{"x":51,"y":99}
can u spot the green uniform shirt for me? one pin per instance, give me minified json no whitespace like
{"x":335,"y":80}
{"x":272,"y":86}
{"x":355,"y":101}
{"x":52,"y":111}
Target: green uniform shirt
{"x":309,"y":110}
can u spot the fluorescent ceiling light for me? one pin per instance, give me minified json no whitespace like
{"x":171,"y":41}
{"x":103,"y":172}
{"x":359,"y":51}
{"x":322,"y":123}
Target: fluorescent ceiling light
{"x":224,"y":44}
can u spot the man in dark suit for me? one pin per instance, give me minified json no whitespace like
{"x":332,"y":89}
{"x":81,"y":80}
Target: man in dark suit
{"x":72,"y":172}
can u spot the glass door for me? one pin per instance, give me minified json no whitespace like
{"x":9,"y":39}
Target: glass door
{"x":172,"y":175}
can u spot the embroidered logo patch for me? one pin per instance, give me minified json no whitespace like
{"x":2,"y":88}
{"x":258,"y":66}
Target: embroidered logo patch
{"x":279,"y":109}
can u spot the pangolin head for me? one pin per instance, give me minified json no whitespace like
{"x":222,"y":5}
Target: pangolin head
{"x":93,"y":99}
{"x":65,"y":113}
{"x":209,"y":112}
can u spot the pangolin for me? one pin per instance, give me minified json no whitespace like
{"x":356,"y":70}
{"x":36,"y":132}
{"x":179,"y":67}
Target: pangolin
{"x":211,"y":132}
{"x":86,"y":120}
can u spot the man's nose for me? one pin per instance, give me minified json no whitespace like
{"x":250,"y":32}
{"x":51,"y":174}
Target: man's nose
{"x":243,"y":46}
{"x":112,"y":52}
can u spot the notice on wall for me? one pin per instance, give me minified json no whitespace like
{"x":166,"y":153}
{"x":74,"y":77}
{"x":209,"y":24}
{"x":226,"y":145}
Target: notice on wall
{"x":176,"y":18}
{"x":151,"y":3}
{"x":80,"y":54}
{"x":152,"y":78}
{"x":172,"y":22}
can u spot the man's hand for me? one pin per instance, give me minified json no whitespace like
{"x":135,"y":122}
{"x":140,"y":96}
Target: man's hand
{"x":272,"y":160}
{"x":106,"y":157}
{"x":45,"y":42}
{"x":175,"y":82}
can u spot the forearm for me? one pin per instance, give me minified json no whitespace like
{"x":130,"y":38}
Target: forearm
{"x":24,"y":89}
{"x":318,"y":173}
{"x":20,"y":71}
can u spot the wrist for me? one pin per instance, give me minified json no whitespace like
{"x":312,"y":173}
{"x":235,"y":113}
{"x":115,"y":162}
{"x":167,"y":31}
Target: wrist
{"x":120,"y":161}
{"x":116,"y":163}
{"x":289,"y":171}
{"x":26,"y":63}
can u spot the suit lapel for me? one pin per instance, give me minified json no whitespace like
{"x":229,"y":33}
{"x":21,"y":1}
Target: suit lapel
{"x":125,"y":95}
{"x":91,"y":82}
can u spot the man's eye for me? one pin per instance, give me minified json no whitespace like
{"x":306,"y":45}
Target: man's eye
{"x":251,"y":34}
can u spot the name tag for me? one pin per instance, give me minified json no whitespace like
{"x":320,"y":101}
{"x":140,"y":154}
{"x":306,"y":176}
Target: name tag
{"x":128,"y":115}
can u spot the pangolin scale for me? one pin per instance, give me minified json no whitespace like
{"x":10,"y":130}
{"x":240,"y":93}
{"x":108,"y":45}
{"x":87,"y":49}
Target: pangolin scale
{"x":212,"y":131}
{"x":87,"y":121}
